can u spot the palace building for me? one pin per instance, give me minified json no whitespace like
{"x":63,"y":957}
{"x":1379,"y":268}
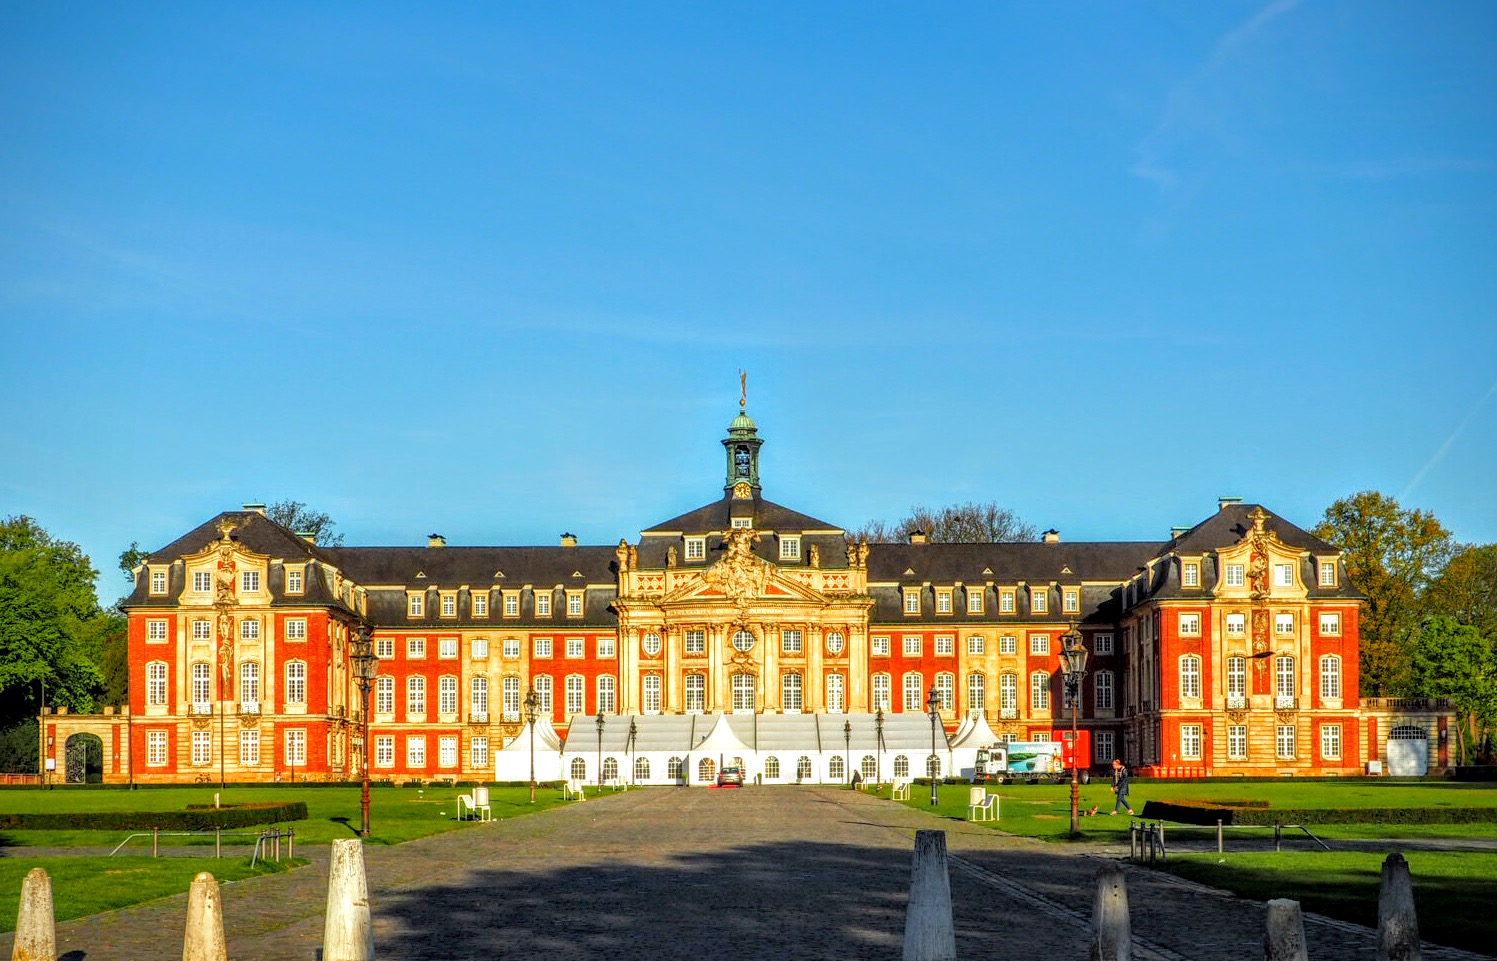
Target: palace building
{"x":1228,"y":648}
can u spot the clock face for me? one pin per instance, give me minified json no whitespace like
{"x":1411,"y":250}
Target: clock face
{"x":742,"y":489}
{"x":835,"y":642}
{"x":743,"y":641}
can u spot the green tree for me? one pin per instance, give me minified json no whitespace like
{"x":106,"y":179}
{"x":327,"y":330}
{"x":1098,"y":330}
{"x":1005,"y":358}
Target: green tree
{"x":51,"y":628}
{"x":969,"y":523}
{"x":1392,"y":555}
{"x":131,"y":558}
{"x":1467,"y":590}
{"x":1453,"y":660}
{"x":301,"y":518}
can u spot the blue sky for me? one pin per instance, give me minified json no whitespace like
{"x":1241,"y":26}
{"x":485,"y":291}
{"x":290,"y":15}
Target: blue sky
{"x":491,"y":271}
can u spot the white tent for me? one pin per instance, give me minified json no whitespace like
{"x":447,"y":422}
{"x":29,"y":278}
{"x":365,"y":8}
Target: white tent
{"x":512,"y":762}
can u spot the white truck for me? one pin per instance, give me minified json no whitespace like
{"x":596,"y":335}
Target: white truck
{"x":1004,"y":763}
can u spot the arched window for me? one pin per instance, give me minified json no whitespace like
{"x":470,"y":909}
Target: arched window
{"x":542,"y":684}
{"x":869,"y":767}
{"x":478,"y":695}
{"x":575,"y":686}
{"x":933,"y":766}
{"x":447,"y":694}
{"x":834,"y":697}
{"x":771,"y":768}
{"x":1190,"y":676}
{"x":415,"y":695}
{"x":673,"y":769}
{"x":641,"y":769}
{"x":706,"y":769}
{"x":1039,"y":691}
{"x":1008,"y":695}
{"x":156,"y":682}
{"x":835,"y":768}
{"x":202,"y":685}
{"x":249,"y":685}
{"x":977,"y":692}
{"x":743,"y":693}
{"x":881,"y":692}
{"x":790,"y":692}
{"x":610,"y":768}
{"x":607,"y":700}
{"x":803,"y":768}
{"x":1330,"y":676}
{"x":652,"y":694}
{"x":696,"y":693}
{"x":1283,"y":672}
{"x":1102,"y":690}
{"x":946,"y":690}
{"x":914,"y":692}
{"x":384,"y":694}
{"x":296,"y":682}
{"x":901,"y":766}
{"x":579,"y":769}
{"x":511,"y":694}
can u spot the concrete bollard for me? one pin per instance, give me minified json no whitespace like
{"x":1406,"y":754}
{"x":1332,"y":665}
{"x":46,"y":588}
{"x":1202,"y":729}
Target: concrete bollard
{"x":1284,"y":935}
{"x":36,"y":924}
{"x":1397,"y":924}
{"x":929,"y":932}
{"x":1112,"y":936}
{"x":205,"y":922}
{"x":348,"y":934}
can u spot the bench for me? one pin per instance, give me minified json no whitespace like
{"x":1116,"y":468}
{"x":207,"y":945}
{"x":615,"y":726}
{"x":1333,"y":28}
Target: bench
{"x":571,"y":790}
{"x":901,"y":790}
{"x":981,"y":806}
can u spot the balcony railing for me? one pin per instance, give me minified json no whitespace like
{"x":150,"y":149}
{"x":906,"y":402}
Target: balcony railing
{"x":1237,"y":702}
{"x":1409,"y":703}
{"x":200,"y":707}
{"x":1285,"y":702}
{"x":1008,"y":714}
{"x":478,"y":717}
{"x":249,"y":707}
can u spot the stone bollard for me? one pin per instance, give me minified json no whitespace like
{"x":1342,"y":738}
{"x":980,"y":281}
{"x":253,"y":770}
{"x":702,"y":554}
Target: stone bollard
{"x":1112,"y":937}
{"x":929,"y":932}
{"x":348,"y":934}
{"x":1284,"y":935}
{"x":205,"y":922}
{"x":36,"y":925}
{"x":1397,"y":924}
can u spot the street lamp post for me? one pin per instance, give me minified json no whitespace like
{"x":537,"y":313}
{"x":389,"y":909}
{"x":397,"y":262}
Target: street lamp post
{"x":847,"y":747}
{"x":633,"y":733}
{"x":600,"y":750}
{"x":878,"y":754}
{"x":933,"y":705}
{"x":532,"y":708}
{"x":1073,"y":662}
{"x":366,"y":667}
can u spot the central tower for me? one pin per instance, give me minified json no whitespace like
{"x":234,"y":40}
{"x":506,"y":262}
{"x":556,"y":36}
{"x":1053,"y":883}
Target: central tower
{"x":742,"y":447}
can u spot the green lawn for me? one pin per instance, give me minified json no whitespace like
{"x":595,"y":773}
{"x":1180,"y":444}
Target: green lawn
{"x":395,"y":814}
{"x":84,"y":886}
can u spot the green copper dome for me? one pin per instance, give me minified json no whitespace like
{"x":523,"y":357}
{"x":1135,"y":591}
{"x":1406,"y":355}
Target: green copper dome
{"x":742,"y":422}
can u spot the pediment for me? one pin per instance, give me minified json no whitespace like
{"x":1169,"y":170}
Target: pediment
{"x":769,"y":585}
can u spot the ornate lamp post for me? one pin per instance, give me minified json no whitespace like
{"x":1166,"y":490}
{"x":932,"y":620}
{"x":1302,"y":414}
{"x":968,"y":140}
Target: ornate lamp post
{"x":532,"y":708}
{"x":933,"y":706}
{"x":600,"y":750}
{"x":847,"y":747}
{"x":366,"y":667}
{"x":878,"y":754}
{"x":633,"y":733}
{"x":1073,"y":662}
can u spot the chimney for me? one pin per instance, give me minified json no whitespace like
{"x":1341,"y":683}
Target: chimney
{"x":256,"y":508}
{"x":1052,"y":536}
{"x":435,"y":540}
{"x":309,"y":536}
{"x":1175,"y":532}
{"x":1225,"y":501}
{"x":569,"y":540}
{"x":918,"y":537}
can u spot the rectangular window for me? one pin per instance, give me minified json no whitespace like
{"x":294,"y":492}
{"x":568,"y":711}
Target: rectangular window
{"x":651,"y":696}
{"x":945,"y":646}
{"x":249,"y":582}
{"x":296,"y":682}
{"x":1039,"y":691}
{"x":449,"y":605}
{"x":478,"y":696}
{"x":249,"y":747}
{"x":912,"y":601}
{"x":478,"y":752}
{"x":296,"y":629}
{"x":249,"y":686}
{"x":384,"y":695}
{"x":384,"y":751}
{"x":384,"y":648}
{"x":912,"y":645}
{"x":447,"y":695}
{"x":202,"y":687}
{"x":481,"y":609}
{"x":511,"y":605}
{"x":1190,"y":677}
{"x":1006,"y":602}
{"x":542,"y":604}
{"x":511,"y":648}
{"x":1235,"y":575}
{"x":696,"y":548}
{"x":249,"y":630}
{"x":202,"y":582}
{"x":696,"y":693}
{"x":447,"y":752}
{"x":607,"y":695}
{"x":789,"y":548}
{"x":415,"y":605}
{"x":1102,"y":643}
{"x":1330,"y":677}
{"x":296,"y":747}
{"x":1284,"y":741}
{"x":1191,"y":576}
{"x":1330,"y":623}
{"x":791,"y":642}
{"x":293,"y":580}
{"x":1283,"y":575}
{"x":543,"y":647}
{"x":1236,"y":625}
{"x":1237,"y":742}
{"x":1236,"y":677}
{"x":790,"y":693}
{"x":943,"y":602}
{"x":1190,"y":625}
{"x":202,"y":747}
{"x":575,"y":693}
{"x":1330,"y":742}
{"x":415,"y":695}
{"x":1039,"y":644}
{"x":1327,"y":573}
{"x":158,"y":582}
{"x":696,"y":642}
{"x":1008,"y":695}
{"x":415,"y":751}
{"x":156,"y":748}
{"x":1283,"y":623}
{"x":977,"y":692}
{"x":1039,"y":600}
{"x":1070,"y":601}
{"x":914,"y":693}
{"x":977,"y":644}
{"x":415,"y":648}
{"x":576,"y":647}
{"x":1190,"y":741}
{"x":974,"y":600}
{"x":1103,"y":749}
{"x":1008,"y":644}
{"x":881,"y":692}
{"x":156,"y":631}
{"x":480,"y":647}
{"x":574,"y":605}
{"x":606,"y":647}
{"x":202,"y":630}
{"x":1103,"y":688}
{"x":742,"y":523}
{"x":1284,"y":677}
{"x":879,"y":646}
{"x":510,"y":692}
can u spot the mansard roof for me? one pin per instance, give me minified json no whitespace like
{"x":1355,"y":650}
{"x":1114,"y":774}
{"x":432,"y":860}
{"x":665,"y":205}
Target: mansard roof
{"x":252,"y":530}
{"x":718,"y":516}
{"x":1233,"y":522}
{"x":452,"y":567}
{"x":1009,"y":563}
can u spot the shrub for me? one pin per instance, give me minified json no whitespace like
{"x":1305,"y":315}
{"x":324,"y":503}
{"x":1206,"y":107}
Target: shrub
{"x":195,"y":818}
{"x":1185,"y":811}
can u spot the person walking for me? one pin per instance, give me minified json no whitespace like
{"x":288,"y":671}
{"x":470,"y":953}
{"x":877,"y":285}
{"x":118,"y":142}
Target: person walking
{"x":1120,"y":786}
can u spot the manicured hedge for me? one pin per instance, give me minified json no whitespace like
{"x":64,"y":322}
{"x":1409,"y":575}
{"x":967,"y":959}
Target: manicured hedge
{"x":194,"y":819}
{"x":1184,"y":811}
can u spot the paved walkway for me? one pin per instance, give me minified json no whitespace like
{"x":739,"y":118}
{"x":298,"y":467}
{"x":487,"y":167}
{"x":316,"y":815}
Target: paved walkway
{"x":666,"y":874}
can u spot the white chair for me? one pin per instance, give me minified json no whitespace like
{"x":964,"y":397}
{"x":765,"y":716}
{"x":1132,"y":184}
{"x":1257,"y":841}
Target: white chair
{"x":572,"y":790}
{"x":464,"y":801}
{"x":617,"y":783}
{"x":901,"y":789}
{"x":480,"y":808}
{"x":981,"y":806}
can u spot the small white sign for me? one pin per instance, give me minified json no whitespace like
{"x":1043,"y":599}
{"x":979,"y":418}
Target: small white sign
{"x":51,"y":763}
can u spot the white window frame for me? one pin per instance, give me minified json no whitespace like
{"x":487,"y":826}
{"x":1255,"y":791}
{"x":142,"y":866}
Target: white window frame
{"x":575,"y":688}
{"x":1330,"y":742}
{"x":511,"y":649}
{"x":295,"y":746}
{"x":945,"y":645}
{"x":1008,"y":693}
{"x":1330,"y":677}
{"x":789,"y":547}
{"x":384,"y":648}
{"x":912,"y":644}
{"x":912,"y":600}
{"x":1039,"y":691}
{"x":296,"y":683}
{"x":1008,"y":644}
{"x":1039,"y":600}
{"x":447,"y":751}
{"x":792,"y":692}
{"x":652,"y":644}
{"x":977,"y":691}
{"x":296,"y":628}
{"x":1327,"y":573}
{"x":384,"y":750}
{"x":607,"y":648}
{"x":1006,"y":601}
{"x":913,"y":687}
{"x":541,"y":646}
{"x":1283,"y":624}
{"x":977,"y":644}
{"x":946,"y":690}
{"x":511,"y":604}
{"x":1235,"y":575}
{"x":695,"y":689}
{"x":447,"y":694}
{"x":1190,"y":574}
{"x":1189,"y":624}
{"x":295,"y":580}
{"x":448,"y":601}
{"x":1070,"y":601}
{"x":156,"y":631}
{"x":1283,"y":575}
{"x":1039,"y":644}
{"x":249,"y":747}
{"x":1237,"y":742}
{"x":1190,"y":742}
{"x":606,"y":692}
{"x":650,"y":700}
{"x":384,"y":694}
{"x":156,"y":748}
{"x":415,"y":696}
{"x":156,"y":675}
{"x":792,"y":641}
{"x":696,"y":548}
{"x":415,"y":751}
{"x":1286,"y":747}
{"x":202,"y":582}
{"x":478,"y":752}
{"x":574,"y":603}
{"x":1330,"y":623}
{"x":415,"y":648}
{"x":415,"y":604}
{"x":974,"y":600}
{"x":1103,"y":690}
{"x":576,"y":647}
{"x":882,"y":688}
{"x":1236,"y":676}
{"x":480,"y":604}
{"x":1236,"y":624}
{"x":879,"y":646}
{"x":943,"y":601}
{"x":542,"y":603}
{"x":249,"y":629}
{"x":249,"y":582}
{"x":694,"y":641}
{"x":202,"y":629}
{"x":836,"y":694}
{"x":479,"y":648}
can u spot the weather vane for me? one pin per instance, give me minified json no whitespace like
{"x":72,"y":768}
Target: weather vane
{"x":742,"y":389}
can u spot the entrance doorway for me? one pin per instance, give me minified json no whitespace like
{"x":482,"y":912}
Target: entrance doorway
{"x":84,"y":759}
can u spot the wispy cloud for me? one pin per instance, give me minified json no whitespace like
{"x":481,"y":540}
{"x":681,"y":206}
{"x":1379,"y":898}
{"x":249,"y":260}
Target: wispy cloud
{"x":1439,"y":455}
{"x":1188,"y":114}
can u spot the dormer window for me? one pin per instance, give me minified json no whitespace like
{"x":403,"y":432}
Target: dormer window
{"x":574,"y":603}
{"x":449,"y":605}
{"x":249,"y":582}
{"x":912,"y":600}
{"x":542,"y":603}
{"x":202,"y":582}
{"x":696,"y":548}
{"x":790,"y":547}
{"x":1039,"y":600}
{"x":1190,"y":574}
{"x":415,"y":605}
{"x":1070,"y":600}
{"x":974,"y":600}
{"x":1327,"y":573}
{"x":743,"y":523}
{"x":1283,"y":575}
{"x":294,"y":580}
{"x":943,"y":601}
{"x":1006,"y":601}
{"x":158,"y":582}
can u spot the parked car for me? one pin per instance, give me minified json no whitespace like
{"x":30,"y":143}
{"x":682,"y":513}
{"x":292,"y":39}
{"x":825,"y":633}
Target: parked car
{"x":730,"y":775}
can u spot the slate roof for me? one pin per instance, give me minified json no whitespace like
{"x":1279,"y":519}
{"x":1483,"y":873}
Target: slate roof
{"x":717,"y":516}
{"x":1009,"y":563}
{"x":451,"y":567}
{"x":1230,"y":524}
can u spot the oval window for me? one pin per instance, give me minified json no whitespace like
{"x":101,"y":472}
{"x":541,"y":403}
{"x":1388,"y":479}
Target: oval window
{"x":743,"y":641}
{"x":652,"y":644}
{"x":835,"y":642}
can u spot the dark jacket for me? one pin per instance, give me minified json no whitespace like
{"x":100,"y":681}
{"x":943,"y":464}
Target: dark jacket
{"x":1120,"y":779}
